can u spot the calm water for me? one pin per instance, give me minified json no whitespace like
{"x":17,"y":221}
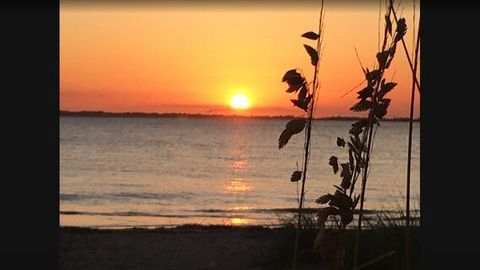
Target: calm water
{"x":169,"y":171}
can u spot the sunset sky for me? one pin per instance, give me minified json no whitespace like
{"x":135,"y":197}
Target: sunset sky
{"x":193,"y":58}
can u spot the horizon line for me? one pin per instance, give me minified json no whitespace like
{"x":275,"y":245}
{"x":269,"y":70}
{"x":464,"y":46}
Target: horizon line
{"x":100,"y":113}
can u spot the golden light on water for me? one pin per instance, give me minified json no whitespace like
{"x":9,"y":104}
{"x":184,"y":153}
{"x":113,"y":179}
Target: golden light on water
{"x":240,"y":102}
{"x":237,"y":186}
{"x":240,"y":208}
{"x":237,"y":221}
{"x":239,"y":165}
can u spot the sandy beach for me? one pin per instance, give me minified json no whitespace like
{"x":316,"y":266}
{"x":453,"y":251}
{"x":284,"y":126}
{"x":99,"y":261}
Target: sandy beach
{"x":180,"y":248}
{"x":214,"y":247}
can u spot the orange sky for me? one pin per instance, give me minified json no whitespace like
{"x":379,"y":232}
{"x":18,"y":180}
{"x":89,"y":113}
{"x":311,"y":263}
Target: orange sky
{"x":194,"y":58}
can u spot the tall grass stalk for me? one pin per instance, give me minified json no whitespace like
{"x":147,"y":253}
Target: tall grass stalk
{"x":409,"y":157}
{"x":306,"y":99}
{"x":307,"y":142}
{"x":369,"y":133}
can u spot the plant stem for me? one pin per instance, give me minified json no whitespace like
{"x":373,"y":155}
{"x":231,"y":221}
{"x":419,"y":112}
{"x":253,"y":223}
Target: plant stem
{"x":364,"y":184}
{"x":405,"y":48}
{"x":307,"y":146}
{"x":302,"y":193}
{"x":409,"y":158}
{"x":367,"y":154}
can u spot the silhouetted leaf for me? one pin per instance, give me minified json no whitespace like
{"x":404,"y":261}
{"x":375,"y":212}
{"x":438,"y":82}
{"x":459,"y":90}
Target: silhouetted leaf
{"x":311,"y":35}
{"x":382,"y":59}
{"x":296,"y":125}
{"x":388,"y":24}
{"x":365,"y":92}
{"x":385,"y":102}
{"x":382,"y":107}
{"x":391,"y":53}
{"x":401,"y":30}
{"x":355,"y":130}
{"x":294,"y":79}
{"x":313,"y":54}
{"x":340,"y":142}
{"x":385,"y":88}
{"x":373,"y":75}
{"x":345,"y":171}
{"x":302,"y":94}
{"x":334,"y":163}
{"x":339,"y":188}
{"x":340,"y":200}
{"x":292,"y":127}
{"x":290,"y":75}
{"x":308,"y":99}
{"x":362,"y":105}
{"x":334,"y":202}
{"x":360,"y":123}
{"x":293,"y":88}
{"x":324,"y":199}
{"x":300,"y":104}
{"x":283,"y":139}
{"x":296,"y":176}
{"x":297,"y":102}
{"x":346,"y":182}
{"x":380,"y":111}
{"x":346,"y":200}
{"x":346,"y":216}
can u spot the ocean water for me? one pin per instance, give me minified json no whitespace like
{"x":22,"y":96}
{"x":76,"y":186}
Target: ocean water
{"x":133,"y":172}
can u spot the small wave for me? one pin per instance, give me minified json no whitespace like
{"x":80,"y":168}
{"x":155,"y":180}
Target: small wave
{"x":76,"y":197}
{"x":148,"y":214}
{"x":128,"y":185}
{"x":153,"y":196}
{"x":258,"y":210}
{"x":124,"y":196}
{"x":121,"y":214}
{"x":278,"y":210}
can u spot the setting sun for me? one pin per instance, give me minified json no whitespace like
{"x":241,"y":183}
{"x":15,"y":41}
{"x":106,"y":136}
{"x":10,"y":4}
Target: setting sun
{"x":240,"y":102}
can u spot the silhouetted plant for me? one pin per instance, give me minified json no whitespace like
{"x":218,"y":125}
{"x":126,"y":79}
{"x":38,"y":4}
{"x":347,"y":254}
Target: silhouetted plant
{"x":371,"y":98}
{"x":306,"y":92}
{"x":412,"y":66}
{"x":410,"y":129}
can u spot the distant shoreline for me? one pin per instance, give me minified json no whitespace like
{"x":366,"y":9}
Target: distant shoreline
{"x":189,"y":115}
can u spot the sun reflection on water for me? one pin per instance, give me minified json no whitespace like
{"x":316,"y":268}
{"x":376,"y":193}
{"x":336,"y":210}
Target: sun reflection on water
{"x":239,"y":165}
{"x":236,"y":221}
{"x":240,"y":208}
{"x":238,"y":186}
